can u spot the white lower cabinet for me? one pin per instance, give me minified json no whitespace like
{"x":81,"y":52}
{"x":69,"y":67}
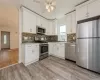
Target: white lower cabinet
{"x":57,"y":49}
{"x":30,"y":53}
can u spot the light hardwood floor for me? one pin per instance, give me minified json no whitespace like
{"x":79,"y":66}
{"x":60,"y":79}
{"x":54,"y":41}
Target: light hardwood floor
{"x":51,"y":68}
{"x":8,"y":57}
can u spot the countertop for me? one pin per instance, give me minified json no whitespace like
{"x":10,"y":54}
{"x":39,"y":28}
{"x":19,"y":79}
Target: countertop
{"x":43,"y":43}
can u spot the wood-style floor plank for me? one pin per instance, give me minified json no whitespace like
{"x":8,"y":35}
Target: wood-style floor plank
{"x":51,"y":68}
{"x":8,"y":57}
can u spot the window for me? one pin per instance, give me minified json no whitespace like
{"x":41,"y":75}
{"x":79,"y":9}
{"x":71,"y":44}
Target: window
{"x":5,"y":39}
{"x":62,"y":33}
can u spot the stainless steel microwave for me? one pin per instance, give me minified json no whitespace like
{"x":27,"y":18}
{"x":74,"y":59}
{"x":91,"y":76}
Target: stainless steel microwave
{"x":40,"y":30}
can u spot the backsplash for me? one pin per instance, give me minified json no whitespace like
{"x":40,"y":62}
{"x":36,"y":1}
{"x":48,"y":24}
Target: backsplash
{"x":52,"y":38}
{"x":71,"y":37}
{"x":29,"y":37}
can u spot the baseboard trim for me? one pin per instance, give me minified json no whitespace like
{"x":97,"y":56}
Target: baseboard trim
{"x":70,"y":60}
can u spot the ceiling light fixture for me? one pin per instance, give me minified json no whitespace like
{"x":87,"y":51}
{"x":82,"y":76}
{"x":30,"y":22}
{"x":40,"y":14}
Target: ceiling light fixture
{"x":50,"y":5}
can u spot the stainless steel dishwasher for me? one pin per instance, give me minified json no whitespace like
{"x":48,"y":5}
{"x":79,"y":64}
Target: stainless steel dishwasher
{"x":70,"y":51}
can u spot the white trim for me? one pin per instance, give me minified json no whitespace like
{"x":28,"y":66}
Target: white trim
{"x":20,"y":35}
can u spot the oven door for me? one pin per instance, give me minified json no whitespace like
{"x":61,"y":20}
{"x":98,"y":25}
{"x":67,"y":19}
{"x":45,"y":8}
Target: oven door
{"x":43,"y":49}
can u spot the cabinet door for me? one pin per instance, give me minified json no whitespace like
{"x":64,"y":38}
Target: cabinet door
{"x":29,"y":21}
{"x":69,"y":23}
{"x":46,"y":26}
{"x":28,"y":54}
{"x":35,"y":48}
{"x":54,"y":27}
{"x":81,"y":13}
{"x":50,"y":48}
{"x":26,"y":25}
{"x":38,"y":21}
{"x":74,"y":22}
{"x":49,"y":29}
{"x":93,"y":8}
{"x":61,"y":52}
{"x":55,"y":49}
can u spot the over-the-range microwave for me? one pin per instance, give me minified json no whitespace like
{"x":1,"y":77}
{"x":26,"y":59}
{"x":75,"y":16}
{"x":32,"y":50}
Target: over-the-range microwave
{"x":40,"y":30}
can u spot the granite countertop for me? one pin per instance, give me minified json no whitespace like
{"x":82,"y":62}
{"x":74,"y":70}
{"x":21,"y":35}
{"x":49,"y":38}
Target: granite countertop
{"x":40,"y":43}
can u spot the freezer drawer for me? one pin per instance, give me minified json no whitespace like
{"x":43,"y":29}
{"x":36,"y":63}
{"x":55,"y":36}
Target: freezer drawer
{"x":88,"y":53}
{"x":88,"y":29}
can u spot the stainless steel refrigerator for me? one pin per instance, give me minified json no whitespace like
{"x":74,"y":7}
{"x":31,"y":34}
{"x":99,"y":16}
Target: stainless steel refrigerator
{"x":88,"y":44}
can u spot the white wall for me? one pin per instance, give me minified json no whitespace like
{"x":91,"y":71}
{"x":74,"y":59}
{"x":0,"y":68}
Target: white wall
{"x":9,"y":18}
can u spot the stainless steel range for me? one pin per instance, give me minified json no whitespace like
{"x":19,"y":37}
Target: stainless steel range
{"x":43,"y":51}
{"x":42,"y":40}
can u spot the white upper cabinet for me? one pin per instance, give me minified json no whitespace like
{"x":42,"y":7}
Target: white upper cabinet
{"x":51,"y":29}
{"x":71,"y":22}
{"x":38,"y":20}
{"x":88,"y":10}
{"x":29,"y":21}
{"x":54,"y":27}
{"x":81,"y":12}
{"x":68,"y":23}
{"x":93,"y":8}
{"x":74,"y":22}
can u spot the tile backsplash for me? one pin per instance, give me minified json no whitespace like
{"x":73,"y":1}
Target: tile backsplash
{"x":52,"y":38}
{"x":29,"y":37}
{"x":71,"y":37}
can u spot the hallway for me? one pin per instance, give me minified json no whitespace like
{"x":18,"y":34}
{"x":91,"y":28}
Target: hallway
{"x":8,"y":57}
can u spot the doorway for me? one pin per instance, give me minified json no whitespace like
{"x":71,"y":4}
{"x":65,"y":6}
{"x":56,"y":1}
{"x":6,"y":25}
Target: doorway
{"x":9,"y":35}
{"x":5,"y":40}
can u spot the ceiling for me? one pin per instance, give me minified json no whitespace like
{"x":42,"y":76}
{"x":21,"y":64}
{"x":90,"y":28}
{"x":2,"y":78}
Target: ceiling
{"x":62,"y":7}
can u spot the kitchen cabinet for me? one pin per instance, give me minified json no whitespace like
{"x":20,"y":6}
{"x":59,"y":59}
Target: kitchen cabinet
{"x":38,"y":20}
{"x":71,"y":22}
{"x":82,"y":12}
{"x":49,"y":29}
{"x":57,"y":49}
{"x":88,"y":10}
{"x":61,"y":50}
{"x":74,"y":22}
{"x":30,"y":53}
{"x":54,"y":27}
{"x":29,"y":21}
{"x":70,"y":51}
{"x":93,"y":8}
